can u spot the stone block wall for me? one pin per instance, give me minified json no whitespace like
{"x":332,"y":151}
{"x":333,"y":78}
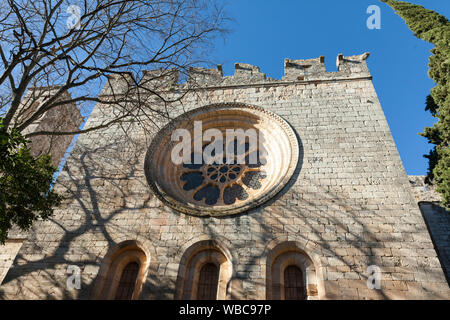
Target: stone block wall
{"x":8,"y":252}
{"x":64,"y":118}
{"x":436,"y":218}
{"x":438,"y":222}
{"x":348,"y":205}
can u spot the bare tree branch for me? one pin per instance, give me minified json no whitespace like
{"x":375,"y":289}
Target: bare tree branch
{"x":77,"y":53}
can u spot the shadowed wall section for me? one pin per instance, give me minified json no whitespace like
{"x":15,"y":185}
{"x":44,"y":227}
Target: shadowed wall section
{"x":348,"y":204}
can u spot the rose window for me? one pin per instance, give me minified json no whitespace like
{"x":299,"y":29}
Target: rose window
{"x":222,"y":182}
{"x":242,"y":175}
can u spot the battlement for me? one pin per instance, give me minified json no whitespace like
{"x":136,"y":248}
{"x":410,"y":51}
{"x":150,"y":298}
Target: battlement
{"x":204,"y":76}
{"x":294,"y":70}
{"x":244,"y":74}
{"x":301,"y":69}
{"x":118,"y":83}
{"x":160,"y":78}
{"x":353,"y":64}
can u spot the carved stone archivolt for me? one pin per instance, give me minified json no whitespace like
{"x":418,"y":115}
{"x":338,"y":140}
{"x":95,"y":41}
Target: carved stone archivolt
{"x":223,"y":187}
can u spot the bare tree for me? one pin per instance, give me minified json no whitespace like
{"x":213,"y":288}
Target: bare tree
{"x":76,"y":47}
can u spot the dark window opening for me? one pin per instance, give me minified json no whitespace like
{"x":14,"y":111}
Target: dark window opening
{"x":208,"y":282}
{"x":127,"y":281}
{"x":294,"y":288}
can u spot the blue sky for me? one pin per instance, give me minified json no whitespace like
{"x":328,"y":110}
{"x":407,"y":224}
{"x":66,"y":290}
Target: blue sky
{"x":265,"y":32}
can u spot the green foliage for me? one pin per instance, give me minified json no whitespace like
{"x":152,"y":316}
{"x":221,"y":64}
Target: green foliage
{"x":25,"y":182}
{"x":434,"y":28}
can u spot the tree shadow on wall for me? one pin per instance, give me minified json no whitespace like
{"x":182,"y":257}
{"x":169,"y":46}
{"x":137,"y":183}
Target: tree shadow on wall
{"x":350,"y":234}
{"x":101,"y":186}
{"x":109,"y":201}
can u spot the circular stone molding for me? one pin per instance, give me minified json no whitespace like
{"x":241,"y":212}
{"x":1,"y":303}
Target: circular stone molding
{"x":221,"y":188}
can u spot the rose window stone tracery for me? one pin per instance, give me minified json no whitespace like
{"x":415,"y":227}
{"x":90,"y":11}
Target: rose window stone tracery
{"x":223,"y":182}
{"x":242,"y":175}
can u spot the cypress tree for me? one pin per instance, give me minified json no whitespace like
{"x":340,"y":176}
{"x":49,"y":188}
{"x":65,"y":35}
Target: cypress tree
{"x":434,"y":28}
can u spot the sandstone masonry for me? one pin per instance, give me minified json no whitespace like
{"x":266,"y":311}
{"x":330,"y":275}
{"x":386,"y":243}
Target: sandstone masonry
{"x":348,"y":206}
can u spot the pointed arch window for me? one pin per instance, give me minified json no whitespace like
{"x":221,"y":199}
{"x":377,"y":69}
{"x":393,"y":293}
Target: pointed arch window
{"x":294,"y":288}
{"x":208,"y":282}
{"x":127,"y":281}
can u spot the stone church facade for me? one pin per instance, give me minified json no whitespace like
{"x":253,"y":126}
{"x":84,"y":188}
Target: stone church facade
{"x":328,"y":205}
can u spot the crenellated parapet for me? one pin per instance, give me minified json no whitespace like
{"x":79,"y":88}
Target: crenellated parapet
{"x":159,"y":79}
{"x":244,"y":73}
{"x":205,"y":76}
{"x":314,"y":69}
{"x":300,"y":70}
{"x":118,"y":83}
{"x":353,"y":64}
{"x":247,"y":71}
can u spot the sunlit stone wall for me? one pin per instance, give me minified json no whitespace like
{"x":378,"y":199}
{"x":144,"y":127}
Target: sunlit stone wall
{"x":348,"y":205}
